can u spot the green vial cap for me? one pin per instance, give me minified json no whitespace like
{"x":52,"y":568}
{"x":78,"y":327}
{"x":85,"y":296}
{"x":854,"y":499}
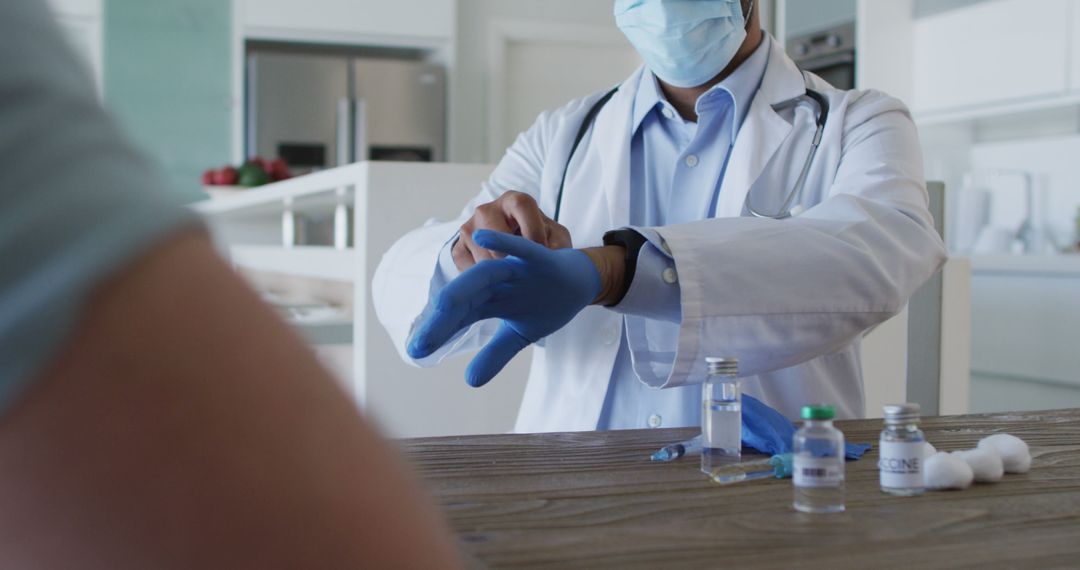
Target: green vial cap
{"x":818,"y":412}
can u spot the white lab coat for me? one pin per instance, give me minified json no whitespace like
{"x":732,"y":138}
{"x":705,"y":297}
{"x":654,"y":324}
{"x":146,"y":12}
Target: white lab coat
{"x":790,"y":298}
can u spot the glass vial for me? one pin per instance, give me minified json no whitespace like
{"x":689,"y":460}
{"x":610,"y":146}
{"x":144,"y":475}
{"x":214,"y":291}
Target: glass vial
{"x":819,"y":462}
{"x":901,"y":451}
{"x":721,"y":418}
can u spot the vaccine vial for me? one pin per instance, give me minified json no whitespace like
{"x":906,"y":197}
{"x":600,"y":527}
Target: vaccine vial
{"x":901,"y":451}
{"x":721,"y":419}
{"x":819,"y":462}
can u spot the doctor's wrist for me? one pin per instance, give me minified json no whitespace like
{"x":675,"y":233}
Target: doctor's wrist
{"x":610,"y":262}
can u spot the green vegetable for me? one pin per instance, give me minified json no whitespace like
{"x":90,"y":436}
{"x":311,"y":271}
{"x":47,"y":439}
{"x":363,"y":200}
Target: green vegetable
{"x":251,"y":174}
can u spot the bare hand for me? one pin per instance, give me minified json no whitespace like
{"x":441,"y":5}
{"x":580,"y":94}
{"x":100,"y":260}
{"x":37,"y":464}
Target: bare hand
{"x":513,"y":213}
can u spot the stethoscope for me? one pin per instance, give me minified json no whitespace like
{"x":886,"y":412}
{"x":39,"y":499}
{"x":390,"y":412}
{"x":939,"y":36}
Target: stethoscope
{"x":787,"y":209}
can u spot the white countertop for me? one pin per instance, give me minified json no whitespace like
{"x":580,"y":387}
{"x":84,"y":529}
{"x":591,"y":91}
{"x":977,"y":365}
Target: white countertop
{"x":1064,"y":265}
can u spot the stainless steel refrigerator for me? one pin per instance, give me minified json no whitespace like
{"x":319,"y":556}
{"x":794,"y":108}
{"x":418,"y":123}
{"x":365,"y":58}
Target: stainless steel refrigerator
{"x":319,"y":110}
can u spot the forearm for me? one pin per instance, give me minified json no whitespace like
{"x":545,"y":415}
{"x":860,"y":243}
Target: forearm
{"x":610,"y":263}
{"x":185,"y":426}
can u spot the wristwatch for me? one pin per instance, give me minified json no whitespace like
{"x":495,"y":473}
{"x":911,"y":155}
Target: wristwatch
{"x":632,"y":242}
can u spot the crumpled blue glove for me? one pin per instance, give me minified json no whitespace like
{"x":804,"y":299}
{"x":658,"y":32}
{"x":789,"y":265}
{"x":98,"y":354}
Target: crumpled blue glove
{"x":768,"y":431}
{"x":534,"y":290}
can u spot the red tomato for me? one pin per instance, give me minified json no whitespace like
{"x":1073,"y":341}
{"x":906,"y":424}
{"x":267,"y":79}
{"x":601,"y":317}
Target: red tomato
{"x":227,"y":176}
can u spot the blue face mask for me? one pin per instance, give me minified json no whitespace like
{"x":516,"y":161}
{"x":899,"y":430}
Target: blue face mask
{"x":684,"y":42}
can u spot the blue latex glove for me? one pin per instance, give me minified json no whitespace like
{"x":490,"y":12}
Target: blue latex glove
{"x":768,"y":431}
{"x":534,"y":290}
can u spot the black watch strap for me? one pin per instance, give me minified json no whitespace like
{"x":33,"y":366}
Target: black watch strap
{"x":632,"y":242}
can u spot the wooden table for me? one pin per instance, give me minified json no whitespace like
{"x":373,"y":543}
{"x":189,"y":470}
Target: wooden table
{"x":591,"y":500}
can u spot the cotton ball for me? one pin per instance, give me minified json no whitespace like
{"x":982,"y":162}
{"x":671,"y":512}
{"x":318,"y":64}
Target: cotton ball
{"x":945,"y":471}
{"x":928,"y":449}
{"x":1013,"y":451}
{"x":984,"y":462}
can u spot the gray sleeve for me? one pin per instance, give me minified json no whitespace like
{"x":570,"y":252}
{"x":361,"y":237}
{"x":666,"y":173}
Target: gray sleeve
{"x":77,"y":202}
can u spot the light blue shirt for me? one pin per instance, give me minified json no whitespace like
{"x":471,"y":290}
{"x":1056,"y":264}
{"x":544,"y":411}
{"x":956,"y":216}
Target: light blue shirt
{"x":677,"y":167}
{"x":77,"y":202}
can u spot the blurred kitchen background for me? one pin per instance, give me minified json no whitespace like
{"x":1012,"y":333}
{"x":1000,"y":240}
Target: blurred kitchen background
{"x":205,"y":85}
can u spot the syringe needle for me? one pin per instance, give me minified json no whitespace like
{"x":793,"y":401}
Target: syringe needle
{"x":669,"y":452}
{"x":676,"y":450}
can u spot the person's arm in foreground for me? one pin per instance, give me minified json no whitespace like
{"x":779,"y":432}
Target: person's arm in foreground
{"x":185,"y":426}
{"x":153,"y":413}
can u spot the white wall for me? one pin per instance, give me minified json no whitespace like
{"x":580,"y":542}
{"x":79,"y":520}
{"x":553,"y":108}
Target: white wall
{"x":88,"y":8}
{"x":536,"y":66}
{"x":470,"y":91}
{"x":802,"y":17}
{"x":931,"y":7}
{"x":883,"y":34}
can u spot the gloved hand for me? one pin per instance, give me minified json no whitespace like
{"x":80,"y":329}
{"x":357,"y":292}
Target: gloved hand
{"x":765,"y":429}
{"x":768,"y":431}
{"x":534,"y":290}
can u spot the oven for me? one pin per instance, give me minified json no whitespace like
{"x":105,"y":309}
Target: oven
{"x":828,"y":53}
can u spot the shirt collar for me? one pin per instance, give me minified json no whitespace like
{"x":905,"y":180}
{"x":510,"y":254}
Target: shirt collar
{"x":741,"y":86}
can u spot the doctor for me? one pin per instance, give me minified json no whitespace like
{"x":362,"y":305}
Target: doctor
{"x":723,"y":203}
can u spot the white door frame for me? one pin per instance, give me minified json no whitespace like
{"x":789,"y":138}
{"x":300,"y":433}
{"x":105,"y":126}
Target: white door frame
{"x":501,"y":32}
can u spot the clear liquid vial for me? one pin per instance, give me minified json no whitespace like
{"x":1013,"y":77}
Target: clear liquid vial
{"x":901,"y":451}
{"x":819,"y":462}
{"x":721,"y":420}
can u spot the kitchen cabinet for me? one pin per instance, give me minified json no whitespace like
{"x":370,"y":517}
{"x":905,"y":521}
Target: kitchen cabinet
{"x":1025,"y":314}
{"x":991,"y":53}
{"x":994,"y":85}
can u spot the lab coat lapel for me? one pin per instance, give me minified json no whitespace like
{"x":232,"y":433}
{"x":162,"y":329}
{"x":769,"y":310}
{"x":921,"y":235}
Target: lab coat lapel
{"x":613,"y":134}
{"x":762,"y":132}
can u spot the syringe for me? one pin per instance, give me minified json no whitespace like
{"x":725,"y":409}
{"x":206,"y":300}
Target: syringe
{"x":780,"y":466}
{"x":677,"y":450}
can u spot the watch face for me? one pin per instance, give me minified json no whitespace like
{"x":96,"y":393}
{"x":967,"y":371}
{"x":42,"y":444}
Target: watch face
{"x":629,"y":239}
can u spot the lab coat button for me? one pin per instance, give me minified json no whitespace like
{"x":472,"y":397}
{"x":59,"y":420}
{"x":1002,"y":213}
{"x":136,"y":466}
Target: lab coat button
{"x":611,"y":335}
{"x":692,"y":160}
{"x":668,"y":113}
{"x":655,"y":420}
{"x":670,"y":276}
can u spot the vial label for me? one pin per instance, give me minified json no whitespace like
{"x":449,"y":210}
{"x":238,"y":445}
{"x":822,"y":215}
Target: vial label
{"x":818,"y":471}
{"x":901,"y":464}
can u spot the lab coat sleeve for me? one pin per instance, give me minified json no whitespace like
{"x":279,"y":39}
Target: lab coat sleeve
{"x":447,"y":269}
{"x":411,"y":271}
{"x":776,"y":293}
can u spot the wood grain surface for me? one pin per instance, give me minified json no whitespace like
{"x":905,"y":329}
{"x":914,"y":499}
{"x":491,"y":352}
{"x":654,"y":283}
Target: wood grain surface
{"x":594,"y":500}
